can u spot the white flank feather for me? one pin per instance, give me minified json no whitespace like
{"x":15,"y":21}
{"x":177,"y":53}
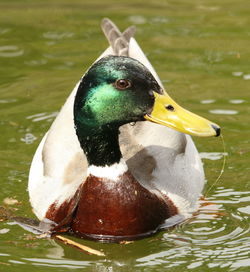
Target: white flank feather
{"x":59,"y":165}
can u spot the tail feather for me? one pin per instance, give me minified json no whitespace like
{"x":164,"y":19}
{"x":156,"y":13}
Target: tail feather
{"x":117,"y":40}
{"x":129,"y":33}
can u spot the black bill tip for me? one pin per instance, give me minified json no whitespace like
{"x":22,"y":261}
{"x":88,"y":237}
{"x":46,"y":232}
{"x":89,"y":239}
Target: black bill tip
{"x":217,"y":129}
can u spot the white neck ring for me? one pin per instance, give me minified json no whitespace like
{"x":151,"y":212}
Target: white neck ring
{"x":109,"y":172}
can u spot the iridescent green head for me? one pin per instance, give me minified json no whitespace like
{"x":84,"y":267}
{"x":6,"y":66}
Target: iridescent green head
{"x":118,"y":90}
{"x":115,"y":90}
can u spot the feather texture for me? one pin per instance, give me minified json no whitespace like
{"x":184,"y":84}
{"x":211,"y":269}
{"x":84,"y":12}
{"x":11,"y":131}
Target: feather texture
{"x":118,"y":41}
{"x":162,"y":160}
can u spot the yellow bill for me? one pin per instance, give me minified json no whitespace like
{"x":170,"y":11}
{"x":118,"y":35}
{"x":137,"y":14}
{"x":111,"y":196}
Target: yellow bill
{"x":168,"y":113}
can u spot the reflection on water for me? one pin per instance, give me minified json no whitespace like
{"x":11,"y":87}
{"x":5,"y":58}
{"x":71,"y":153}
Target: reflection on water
{"x":245,"y":209}
{"x":6,"y":101}
{"x":246,"y":77}
{"x":43,"y":116}
{"x":237,"y":74}
{"x":57,"y":263}
{"x":58,"y":36}
{"x":137,"y":19}
{"x":209,"y":239}
{"x":4,"y":231}
{"x":9,"y":51}
{"x":36,"y":62}
{"x":28,"y":138}
{"x":220,"y":111}
{"x":213,"y":155}
{"x":207,"y":101}
{"x":236,"y":101}
{"x":43,"y":53}
{"x":4,"y":30}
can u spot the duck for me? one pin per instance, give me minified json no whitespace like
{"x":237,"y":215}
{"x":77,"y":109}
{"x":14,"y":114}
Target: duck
{"x":118,"y":162}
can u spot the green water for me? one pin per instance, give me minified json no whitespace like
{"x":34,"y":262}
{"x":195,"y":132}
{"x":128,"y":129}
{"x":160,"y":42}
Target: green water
{"x":200,"y":50}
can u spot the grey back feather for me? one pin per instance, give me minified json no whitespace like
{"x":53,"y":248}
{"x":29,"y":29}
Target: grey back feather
{"x":117,"y":40}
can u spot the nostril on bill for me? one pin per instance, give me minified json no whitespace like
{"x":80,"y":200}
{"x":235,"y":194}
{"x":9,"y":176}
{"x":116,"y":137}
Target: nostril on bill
{"x":169,"y":107}
{"x":217,"y":130}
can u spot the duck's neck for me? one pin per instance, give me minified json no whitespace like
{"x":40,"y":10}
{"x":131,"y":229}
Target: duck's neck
{"x":100,"y":145}
{"x":112,"y":202}
{"x":111,"y":172}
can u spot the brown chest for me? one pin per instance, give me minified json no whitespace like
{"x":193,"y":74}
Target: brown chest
{"x":118,"y":208}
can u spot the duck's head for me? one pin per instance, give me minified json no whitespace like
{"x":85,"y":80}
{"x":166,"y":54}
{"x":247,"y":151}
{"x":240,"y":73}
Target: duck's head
{"x":119,"y":90}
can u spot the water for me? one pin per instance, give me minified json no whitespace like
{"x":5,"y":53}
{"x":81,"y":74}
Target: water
{"x":201,"y":51}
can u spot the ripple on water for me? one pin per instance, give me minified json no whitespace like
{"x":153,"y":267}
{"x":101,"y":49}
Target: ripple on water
{"x":207,"y":101}
{"x":3,"y":231}
{"x":137,"y":19}
{"x":4,"y":31}
{"x":37,"y":62}
{"x":10,"y":51}
{"x":246,"y":77}
{"x":43,"y":116}
{"x":58,"y":35}
{"x":57,"y":263}
{"x":237,"y":74}
{"x":28,"y":138}
{"x":236,"y":101}
{"x":159,"y":20}
{"x":214,"y":56}
{"x":212,"y":155}
{"x":245,"y":209}
{"x":212,"y":238}
{"x":6,"y":101}
{"x":226,"y":112}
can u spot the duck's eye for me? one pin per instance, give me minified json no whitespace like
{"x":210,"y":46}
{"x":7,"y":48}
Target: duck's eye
{"x":122,"y":84}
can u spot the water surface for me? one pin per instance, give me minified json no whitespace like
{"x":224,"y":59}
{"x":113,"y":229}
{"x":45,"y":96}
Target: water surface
{"x":201,"y":52}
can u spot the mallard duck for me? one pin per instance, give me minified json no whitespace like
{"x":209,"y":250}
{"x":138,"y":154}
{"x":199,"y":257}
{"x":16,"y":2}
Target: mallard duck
{"x":117,"y":160}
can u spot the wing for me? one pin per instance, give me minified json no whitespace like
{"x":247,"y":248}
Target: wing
{"x":59,"y":165}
